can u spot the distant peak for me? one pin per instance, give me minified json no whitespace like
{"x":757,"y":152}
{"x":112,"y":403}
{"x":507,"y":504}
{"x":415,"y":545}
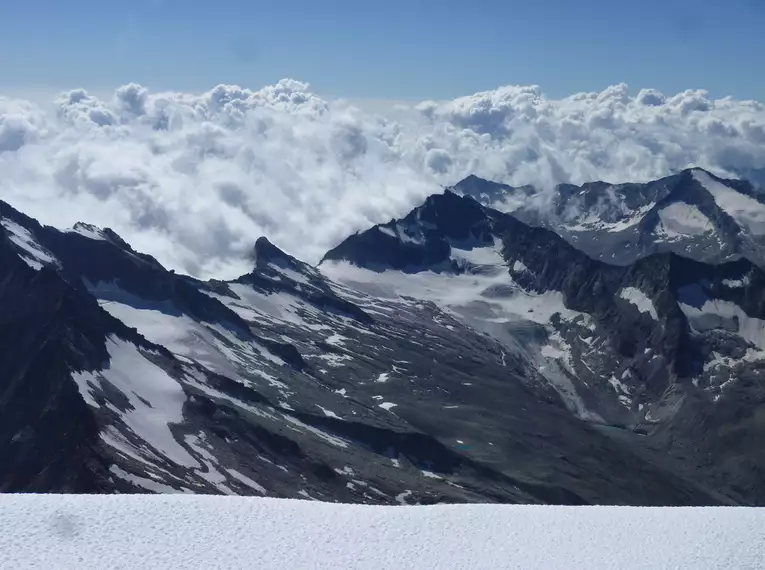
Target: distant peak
{"x":264,"y":243}
{"x":471,"y":178}
{"x":490,"y":193}
{"x":265,"y":251}
{"x":89,"y":230}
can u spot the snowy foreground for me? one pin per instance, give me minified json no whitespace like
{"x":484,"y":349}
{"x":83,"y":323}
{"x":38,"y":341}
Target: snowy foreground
{"x":174,"y":532}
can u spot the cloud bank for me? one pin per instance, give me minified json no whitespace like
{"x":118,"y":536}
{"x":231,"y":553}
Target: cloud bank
{"x":194,"y":179}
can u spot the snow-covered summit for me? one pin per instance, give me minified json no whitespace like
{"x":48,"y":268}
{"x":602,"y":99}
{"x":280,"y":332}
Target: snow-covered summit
{"x":692,"y":213}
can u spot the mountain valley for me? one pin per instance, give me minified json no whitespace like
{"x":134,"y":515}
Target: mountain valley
{"x":604,"y":344}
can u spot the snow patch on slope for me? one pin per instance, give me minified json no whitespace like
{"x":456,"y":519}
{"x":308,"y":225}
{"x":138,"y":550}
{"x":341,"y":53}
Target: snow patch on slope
{"x":491,"y":294}
{"x":610,"y":214}
{"x":736,"y":283}
{"x":34,"y":254}
{"x":480,"y":255}
{"x":716,"y":314}
{"x":640,"y":300}
{"x":253,"y":305}
{"x":88,"y":230}
{"x":680,"y":220}
{"x":154,"y":399}
{"x":748,"y":212}
{"x":212,"y":345}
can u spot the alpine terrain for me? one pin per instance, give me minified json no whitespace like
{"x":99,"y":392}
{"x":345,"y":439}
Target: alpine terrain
{"x":602,"y":344}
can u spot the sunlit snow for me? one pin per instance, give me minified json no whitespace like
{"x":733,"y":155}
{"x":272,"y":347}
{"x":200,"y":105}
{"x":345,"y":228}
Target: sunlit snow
{"x":155,"y":399}
{"x":42,"y":532}
{"x":682,"y":220}
{"x":34,"y":254}
{"x":640,"y":300}
{"x":747,"y":211}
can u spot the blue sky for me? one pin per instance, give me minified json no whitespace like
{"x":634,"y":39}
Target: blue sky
{"x":391,"y":50}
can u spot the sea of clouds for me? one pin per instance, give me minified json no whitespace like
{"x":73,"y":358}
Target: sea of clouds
{"x":194,"y":179}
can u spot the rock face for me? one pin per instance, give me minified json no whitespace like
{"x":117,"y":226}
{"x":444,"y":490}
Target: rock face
{"x":458,"y":354}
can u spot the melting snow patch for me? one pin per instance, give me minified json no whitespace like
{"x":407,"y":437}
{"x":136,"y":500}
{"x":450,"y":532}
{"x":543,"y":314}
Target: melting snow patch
{"x":407,"y":237}
{"x":247,"y":481}
{"x":387,"y":406}
{"x":491,"y":296}
{"x":336,"y":340}
{"x":640,"y":300}
{"x":595,"y":218}
{"x":736,"y":283}
{"x":89,"y":231}
{"x":141,"y":482}
{"x":747,"y":211}
{"x":155,"y":399}
{"x":33,"y":254}
{"x":334,"y":360}
{"x":336,"y":441}
{"x":382,"y":378}
{"x":489,"y":255}
{"x":557,"y":373}
{"x":680,"y":220}
{"x":718,"y":314}
{"x":621,"y":389}
{"x":289,"y":273}
{"x":213,"y":346}
{"x":328,"y":413}
{"x":430,"y":474}
{"x":402,"y":497}
{"x":210,"y":473}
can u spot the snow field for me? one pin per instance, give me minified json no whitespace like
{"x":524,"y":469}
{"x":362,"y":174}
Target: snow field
{"x":209,"y":533}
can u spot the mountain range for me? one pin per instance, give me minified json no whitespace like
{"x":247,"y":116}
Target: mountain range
{"x":601,"y":344}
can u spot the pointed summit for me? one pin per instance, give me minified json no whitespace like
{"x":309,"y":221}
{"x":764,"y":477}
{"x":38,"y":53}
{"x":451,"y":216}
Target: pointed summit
{"x":420,"y":240}
{"x":269,"y":259}
{"x":264,"y":252}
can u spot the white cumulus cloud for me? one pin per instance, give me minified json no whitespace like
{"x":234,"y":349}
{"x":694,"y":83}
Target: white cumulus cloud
{"x":194,"y":179}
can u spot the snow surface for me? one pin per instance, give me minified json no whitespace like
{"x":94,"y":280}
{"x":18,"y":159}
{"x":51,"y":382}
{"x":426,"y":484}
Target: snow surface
{"x":155,"y":399}
{"x":736,"y":283}
{"x":289,"y":273}
{"x":716,"y":314}
{"x":640,"y":300}
{"x":680,"y":220}
{"x":387,"y":231}
{"x":87,"y":230}
{"x":196,"y":532}
{"x":212,"y":345}
{"x":492,"y":293}
{"x":747,"y":211}
{"x":595,"y":218}
{"x":33,"y":253}
{"x":480,"y":255}
{"x":252,"y":305}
